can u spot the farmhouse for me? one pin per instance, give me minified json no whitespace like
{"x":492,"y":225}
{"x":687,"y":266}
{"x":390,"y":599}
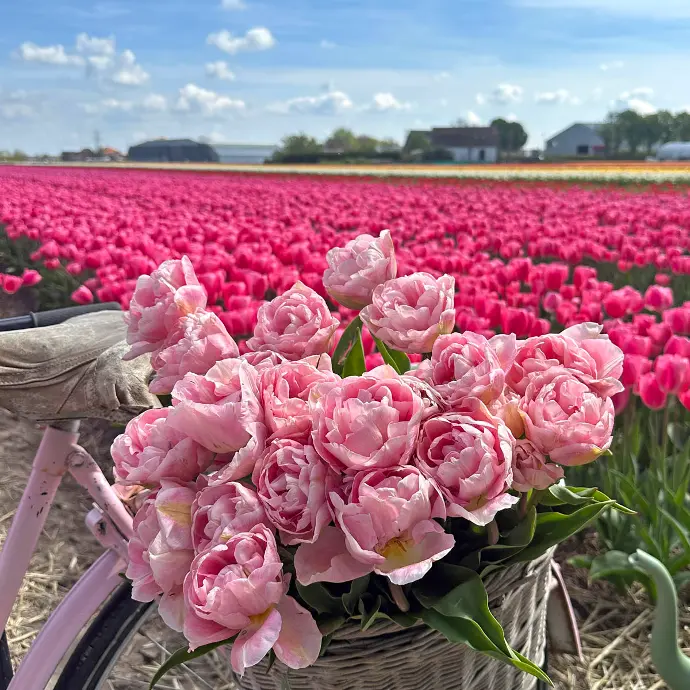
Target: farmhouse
{"x":172,"y":151}
{"x":580,"y":139}
{"x":465,"y":144}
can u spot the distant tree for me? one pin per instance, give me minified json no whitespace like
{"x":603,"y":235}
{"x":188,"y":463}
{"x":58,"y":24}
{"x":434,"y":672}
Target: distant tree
{"x":387,"y":145}
{"x":342,"y":139}
{"x":417,"y":141}
{"x":667,"y":126}
{"x":682,"y":126}
{"x":512,"y":135}
{"x":366,"y":144}
{"x":611,"y":132}
{"x":651,"y":131}
{"x":632,"y":128}
{"x":300,"y":144}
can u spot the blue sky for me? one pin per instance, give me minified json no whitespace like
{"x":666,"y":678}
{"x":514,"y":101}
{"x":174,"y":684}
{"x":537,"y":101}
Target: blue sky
{"x":254,"y":70}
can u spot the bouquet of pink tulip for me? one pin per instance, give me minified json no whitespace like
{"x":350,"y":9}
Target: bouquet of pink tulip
{"x":285,"y":492}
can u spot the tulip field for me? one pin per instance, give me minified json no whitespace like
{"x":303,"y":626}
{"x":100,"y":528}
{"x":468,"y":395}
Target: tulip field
{"x":527,"y":258}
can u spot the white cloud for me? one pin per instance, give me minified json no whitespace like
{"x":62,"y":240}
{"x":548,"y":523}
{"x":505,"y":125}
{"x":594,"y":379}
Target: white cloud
{"x":49,"y":55}
{"x":385,"y":102}
{"x":559,"y":96}
{"x":195,"y":98}
{"x":608,"y":66}
{"x":259,"y":38}
{"x":233,"y":5}
{"x":330,"y":103}
{"x":16,"y":111}
{"x":14,"y":105}
{"x":130,"y":73}
{"x":443,"y":102}
{"x":327,"y":45}
{"x":480,"y":98}
{"x":155,"y":102}
{"x":636,"y":99}
{"x":95,"y":46}
{"x":441,"y":76}
{"x":597,"y":93}
{"x":219,"y":70}
{"x":638,"y":92}
{"x":506,"y":93}
{"x":107,"y":105}
{"x":100,"y":62}
{"x":511,"y":117}
{"x":473,"y":119}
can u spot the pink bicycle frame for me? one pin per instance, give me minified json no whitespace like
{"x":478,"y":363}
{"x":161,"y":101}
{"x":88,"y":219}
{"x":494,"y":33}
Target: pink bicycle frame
{"x":111,"y":523}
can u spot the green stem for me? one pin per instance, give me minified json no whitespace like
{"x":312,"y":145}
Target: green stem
{"x":492,"y":532}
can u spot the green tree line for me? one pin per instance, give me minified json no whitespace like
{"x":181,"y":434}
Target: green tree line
{"x":634,"y":132}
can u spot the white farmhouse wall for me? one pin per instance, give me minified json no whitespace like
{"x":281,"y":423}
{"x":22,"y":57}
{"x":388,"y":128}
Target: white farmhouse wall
{"x":473,"y":154}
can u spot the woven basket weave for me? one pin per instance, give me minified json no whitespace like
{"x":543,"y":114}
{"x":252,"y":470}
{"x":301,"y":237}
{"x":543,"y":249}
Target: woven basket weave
{"x":387,"y":657}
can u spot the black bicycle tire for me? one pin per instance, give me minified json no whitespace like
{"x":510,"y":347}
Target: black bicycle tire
{"x":5,"y":662}
{"x":103,"y":639}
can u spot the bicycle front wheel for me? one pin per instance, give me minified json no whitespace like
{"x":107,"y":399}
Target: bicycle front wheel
{"x":125,"y":645}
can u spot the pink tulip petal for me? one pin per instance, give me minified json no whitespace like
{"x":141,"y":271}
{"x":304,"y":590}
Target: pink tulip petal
{"x":253,"y":643}
{"x":299,"y":642}
{"x":327,"y":560}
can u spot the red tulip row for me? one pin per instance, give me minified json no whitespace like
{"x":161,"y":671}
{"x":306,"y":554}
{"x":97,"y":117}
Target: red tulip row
{"x":525,"y":260}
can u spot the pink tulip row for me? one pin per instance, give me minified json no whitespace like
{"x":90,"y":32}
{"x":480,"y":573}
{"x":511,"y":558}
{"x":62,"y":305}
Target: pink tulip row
{"x":358,"y":473}
{"x":249,"y":238}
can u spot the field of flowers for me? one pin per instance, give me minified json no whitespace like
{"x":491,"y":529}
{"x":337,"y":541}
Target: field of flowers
{"x":527,"y":259}
{"x":615,"y":172}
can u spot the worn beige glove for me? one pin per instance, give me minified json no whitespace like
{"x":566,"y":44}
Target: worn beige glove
{"x":73,"y":371}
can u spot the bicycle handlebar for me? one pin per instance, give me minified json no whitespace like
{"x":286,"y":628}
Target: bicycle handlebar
{"x":54,"y":316}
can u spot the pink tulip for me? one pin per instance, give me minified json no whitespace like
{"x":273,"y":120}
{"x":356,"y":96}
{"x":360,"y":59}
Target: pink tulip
{"x":160,"y":551}
{"x":293,"y":484}
{"x":264,"y":359}
{"x":677,"y":345}
{"x":151,"y":450}
{"x":195,"y":345}
{"x":222,"y":510}
{"x":582,"y":349}
{"x":672,"y":373}
{"x":238,"y":588}
{"x":159,"y":301}
{"x":634,"y":366}
{"x":386,"y":526}
{"x":651,"y":393}
{"x":354,"y":271}
{"x":531,"y":469}
{"x":409,"y":313}
{"x":684,"y":398}
{"x":82,"y":295}
{"x":284,"y":391}
{"x":658,"y":298}
{"x":468,"y":365}
{"x":295,"y":325}
{"x":10,"y":284}
{"x":621,"y":400}
{"x":221,"y":411}
{"x":555,"y":275}
{"x":678,"y":319}
{"x":565,"y":419}
{"x":469,"y":454}
{"x":616,"y":304}
{"x":366,"y":422}
{"x":31,"y":277}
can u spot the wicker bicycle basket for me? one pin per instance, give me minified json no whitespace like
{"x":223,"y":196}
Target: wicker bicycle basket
{"x":387,"y":657}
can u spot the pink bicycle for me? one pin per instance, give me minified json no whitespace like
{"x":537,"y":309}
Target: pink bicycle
{"x":98,"y":637}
